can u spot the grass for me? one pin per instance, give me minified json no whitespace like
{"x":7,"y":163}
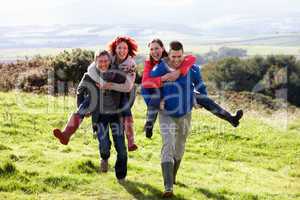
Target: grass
{"x":258,"y":160}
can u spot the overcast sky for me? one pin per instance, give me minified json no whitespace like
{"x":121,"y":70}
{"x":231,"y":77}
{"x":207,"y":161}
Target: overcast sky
{"x":49,"y":12}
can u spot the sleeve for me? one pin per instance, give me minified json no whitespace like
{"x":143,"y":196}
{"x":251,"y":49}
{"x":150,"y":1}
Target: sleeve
{"x":159,"y":70}
{"x":147,"y":80}
{"x":197,"y":80}
{"x":187,"y":64}
{"x":124,"y":87}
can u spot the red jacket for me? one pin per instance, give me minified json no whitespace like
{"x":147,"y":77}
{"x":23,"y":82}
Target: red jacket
{"x":155,"y":82}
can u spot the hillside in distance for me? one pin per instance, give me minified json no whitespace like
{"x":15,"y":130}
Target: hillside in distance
{"x":231,"y":30}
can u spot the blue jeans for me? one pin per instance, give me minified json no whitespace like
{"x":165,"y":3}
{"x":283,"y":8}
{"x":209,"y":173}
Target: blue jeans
{"x":83,"y":106}
{"x":152,"y":97}
{"x":213,"y":107}
{"x":113,"y":121}
{"x":125,"y":105}
{"x":202,"y":100}
{"x":152,"y":113}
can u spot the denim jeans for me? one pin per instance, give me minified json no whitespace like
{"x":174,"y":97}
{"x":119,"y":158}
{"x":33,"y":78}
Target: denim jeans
{"x":212,"y":106}
{"x":152,"y":98}
{"x":152,"y":113}
{"x":83,"y":106}
{"x":113,"y":122}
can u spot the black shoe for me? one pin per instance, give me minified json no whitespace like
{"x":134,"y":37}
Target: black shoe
{"x":149,"y":129}
{"x":236,"y":119}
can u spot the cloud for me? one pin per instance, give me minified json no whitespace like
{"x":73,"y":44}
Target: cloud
{"x":210,"y":13}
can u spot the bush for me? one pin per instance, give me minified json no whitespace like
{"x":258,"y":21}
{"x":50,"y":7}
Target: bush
{"x":43,"y":73}
{"x":33,"y":80}
{"x":275,"y":76}
{"x":223,"y":52}
{"x":70,"y":67}
{"x":12,"y":72}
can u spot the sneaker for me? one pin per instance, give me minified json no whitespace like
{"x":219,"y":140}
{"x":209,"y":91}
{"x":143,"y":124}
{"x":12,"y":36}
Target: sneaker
{"x":104,"y":166}
{"x":167,"y":194}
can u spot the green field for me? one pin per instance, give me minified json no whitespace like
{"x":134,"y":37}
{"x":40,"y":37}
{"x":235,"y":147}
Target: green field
{"x":255,"y":161}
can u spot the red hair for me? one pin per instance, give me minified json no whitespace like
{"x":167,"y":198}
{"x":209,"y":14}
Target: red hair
{"x":131,"y":43}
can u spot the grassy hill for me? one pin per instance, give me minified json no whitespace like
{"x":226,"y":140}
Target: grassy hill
{"x":258,"y":160}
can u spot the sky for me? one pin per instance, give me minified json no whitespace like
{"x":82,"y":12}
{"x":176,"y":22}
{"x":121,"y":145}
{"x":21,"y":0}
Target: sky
{"x":64,"y":12}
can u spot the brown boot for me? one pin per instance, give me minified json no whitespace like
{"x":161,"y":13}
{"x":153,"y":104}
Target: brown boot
{"x":128,"y":126}
{"x":72,"y":125}
{"x":167,"y":194}
{"x":104,"y":166}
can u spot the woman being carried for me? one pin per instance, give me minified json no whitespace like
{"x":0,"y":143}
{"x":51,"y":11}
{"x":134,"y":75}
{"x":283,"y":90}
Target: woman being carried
{"x":151,"y":88}
{"x":122,"y":50}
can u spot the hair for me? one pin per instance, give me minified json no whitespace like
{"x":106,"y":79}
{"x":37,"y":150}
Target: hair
{"x":176,"y":46}
{"x":160,"y":43}
{"x":131,"y":43}
{"x":101,"y":53}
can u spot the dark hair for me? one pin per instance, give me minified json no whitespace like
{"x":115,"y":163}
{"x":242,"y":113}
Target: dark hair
{"x":160,"y":43}
{"x":131,"y":43}
{"x":102,"y":53}
{"x":176,"y":46}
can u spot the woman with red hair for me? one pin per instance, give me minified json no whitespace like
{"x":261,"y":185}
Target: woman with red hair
{"x":131,"y":44}
{"x":122,"y":50}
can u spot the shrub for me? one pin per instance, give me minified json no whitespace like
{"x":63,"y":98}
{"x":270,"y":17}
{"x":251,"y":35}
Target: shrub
{"x":70,"y":67}
{"x":12,"y":72}
{"x":33,"y":80}
{"x":275,"y":76}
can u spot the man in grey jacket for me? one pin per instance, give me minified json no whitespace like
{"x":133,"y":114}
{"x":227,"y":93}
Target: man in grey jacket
{"x":104,"y":106}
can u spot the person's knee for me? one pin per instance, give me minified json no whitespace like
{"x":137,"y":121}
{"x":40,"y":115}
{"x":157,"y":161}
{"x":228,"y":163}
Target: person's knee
{"x":117,"y":129}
